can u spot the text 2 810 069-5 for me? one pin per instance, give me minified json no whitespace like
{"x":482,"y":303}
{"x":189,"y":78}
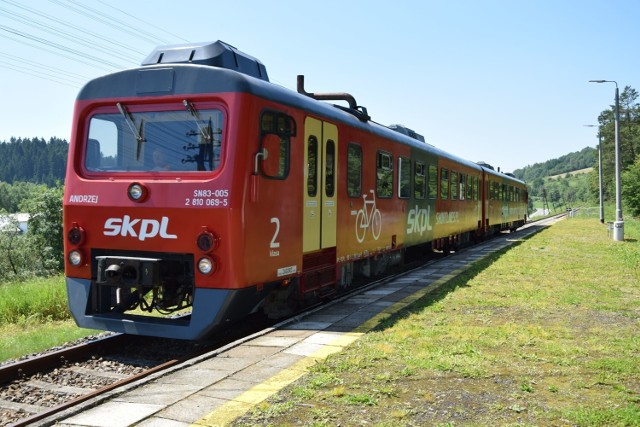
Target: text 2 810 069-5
{"x":208,"y":197}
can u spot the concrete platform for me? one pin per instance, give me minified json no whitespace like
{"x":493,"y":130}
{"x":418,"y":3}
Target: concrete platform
{"x":218,"y":387}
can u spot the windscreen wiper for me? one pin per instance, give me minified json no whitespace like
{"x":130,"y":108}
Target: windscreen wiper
{"x":136,"y":132}
{"x":206,"y":132}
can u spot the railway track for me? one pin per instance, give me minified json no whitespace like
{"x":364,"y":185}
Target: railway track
{"x":39,"y":387}
{"x":42,"y":386}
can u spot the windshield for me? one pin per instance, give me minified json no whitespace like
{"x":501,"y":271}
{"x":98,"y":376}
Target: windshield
{"x":187,"y":140}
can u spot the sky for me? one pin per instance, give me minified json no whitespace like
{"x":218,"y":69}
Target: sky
{"x":500,"y":81}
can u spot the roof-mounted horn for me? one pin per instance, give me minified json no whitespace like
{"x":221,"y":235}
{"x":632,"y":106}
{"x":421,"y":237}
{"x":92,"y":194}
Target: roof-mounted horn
{"x":358,"y":111}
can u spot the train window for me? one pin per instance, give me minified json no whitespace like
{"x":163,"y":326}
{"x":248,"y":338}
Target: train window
{"x":462,"y":186}
{"x":182,"y":140}
{"x":433,"y":182}
{"x":476,"y":188}
{"x":312,"y":167}
{"x":469,"y":193}
{"x":505,"y":194}
{"x":384,"y":175}
{"x":354,"y":170}
{"x":404,"y":177}
{"x":419,"y":182}
{"x":277,"y":129}
{"x":454,"y":185}
{"x":444,"y":183}
{"x":330,"y":168}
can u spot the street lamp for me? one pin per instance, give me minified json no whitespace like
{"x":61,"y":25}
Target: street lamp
{"x":618,"y":225}
{"x":599,"y":171}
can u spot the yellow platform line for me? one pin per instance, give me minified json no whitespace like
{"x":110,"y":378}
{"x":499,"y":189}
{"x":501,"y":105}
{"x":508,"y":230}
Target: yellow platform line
{"x":241,"y":404}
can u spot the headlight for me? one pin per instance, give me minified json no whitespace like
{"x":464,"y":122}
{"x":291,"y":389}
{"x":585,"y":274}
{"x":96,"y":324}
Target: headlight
{"x":76,"y":258}
{"x":206,"y":265}
{"x":137,"y":192}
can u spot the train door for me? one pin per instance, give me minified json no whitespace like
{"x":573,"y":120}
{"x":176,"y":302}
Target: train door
{"x":320,"y":178}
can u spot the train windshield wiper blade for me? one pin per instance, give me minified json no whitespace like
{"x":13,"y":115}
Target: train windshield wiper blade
{"x":137,"y":133}
{"x":206,"y":132}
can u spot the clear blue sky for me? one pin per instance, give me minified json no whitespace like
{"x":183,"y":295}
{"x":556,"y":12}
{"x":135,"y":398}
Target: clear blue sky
{"x":502,"y":81}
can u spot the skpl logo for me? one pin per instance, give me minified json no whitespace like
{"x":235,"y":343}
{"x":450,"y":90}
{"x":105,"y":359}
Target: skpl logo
{"x":140,"y":228}
{"x":418,"y":220}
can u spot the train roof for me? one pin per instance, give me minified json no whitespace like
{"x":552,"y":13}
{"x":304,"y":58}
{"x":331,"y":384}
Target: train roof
{"x":219,"y":67}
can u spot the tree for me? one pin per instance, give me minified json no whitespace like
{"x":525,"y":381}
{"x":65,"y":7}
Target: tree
{"x":9,"y":233}
{"x":629,"y":127}
{"x":45,"y":227}
{"x":33,"y":160}
{"x":631,"y":187}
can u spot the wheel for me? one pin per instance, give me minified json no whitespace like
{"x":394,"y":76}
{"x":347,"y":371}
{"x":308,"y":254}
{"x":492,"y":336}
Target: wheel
{"x":376,"y":224}
{"x":361,"y":226}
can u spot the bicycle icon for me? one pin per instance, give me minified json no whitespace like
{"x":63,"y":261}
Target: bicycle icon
{"x":368,"y":216}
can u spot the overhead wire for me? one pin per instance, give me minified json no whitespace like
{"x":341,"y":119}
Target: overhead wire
{"x":82,"y":31}
{"x":87,"y":46}
{"x":58,"y":46}
{"x":61,"y":33}
{"x":144,"y":22}
{"x":110,"y":21}
{"x":37,"y":66}
{"x":46,"y":76}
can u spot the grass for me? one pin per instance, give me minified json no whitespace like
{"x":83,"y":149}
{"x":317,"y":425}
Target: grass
{"x":41,"y":299}
{"x":20,"y":340}
{"x":34,"y":317}
{"x":545,"y":333}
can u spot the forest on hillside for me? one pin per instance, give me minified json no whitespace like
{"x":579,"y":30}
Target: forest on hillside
{"x":584,"y":189}
{"x":568,"y":163}
{"x":33,"y":160}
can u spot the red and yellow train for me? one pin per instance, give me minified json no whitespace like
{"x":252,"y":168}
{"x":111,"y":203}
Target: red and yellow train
{"x":196,"y":185}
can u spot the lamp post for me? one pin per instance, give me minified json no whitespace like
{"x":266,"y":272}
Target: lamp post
{"x":618,"y":225}
{"x":599,"y":172}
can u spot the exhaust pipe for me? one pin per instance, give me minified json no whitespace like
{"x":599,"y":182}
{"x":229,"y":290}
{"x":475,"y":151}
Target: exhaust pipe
{"x":359,"y":112}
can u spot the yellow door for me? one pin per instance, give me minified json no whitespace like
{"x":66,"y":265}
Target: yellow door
{"x":320,"y":189}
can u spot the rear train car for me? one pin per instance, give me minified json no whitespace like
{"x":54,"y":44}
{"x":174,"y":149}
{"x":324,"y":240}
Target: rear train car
{"x":197,"y":193}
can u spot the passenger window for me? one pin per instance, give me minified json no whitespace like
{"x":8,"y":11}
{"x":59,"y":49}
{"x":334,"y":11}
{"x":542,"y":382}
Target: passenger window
{"x":469,"y":193}
{"x":384,"y":175}
{"x":284,"y":127}
{"x":454,"y":185}
{"x":433,"y":182}
{"x":462,"y":186}
{"x":444,"y":183}
{"x":271,"y":162}
{"x":476,"y":188}
{"x":330,"y":168}
{"x":354,"y":170}
{"x":404,"y":178}
{"x":419,"y":182}
{"x":312,"y":167}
